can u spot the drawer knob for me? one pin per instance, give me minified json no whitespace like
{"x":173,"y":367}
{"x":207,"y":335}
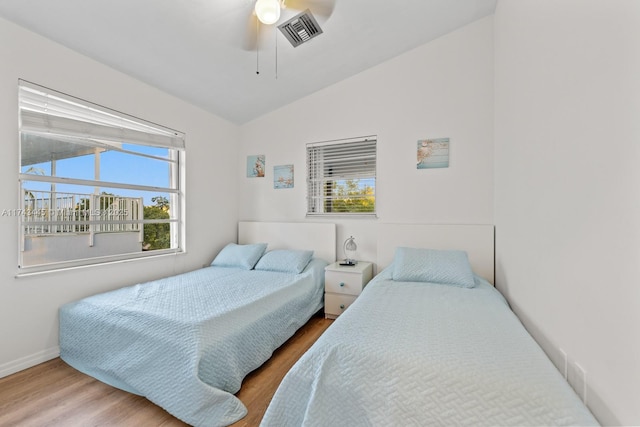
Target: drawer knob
{"x":342,"y":306}
{"x":342,"y":284}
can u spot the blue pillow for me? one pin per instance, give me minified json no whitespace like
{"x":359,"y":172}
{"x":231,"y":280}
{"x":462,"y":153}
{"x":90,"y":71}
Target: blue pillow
{"x":239,"y":256}
{"x":446,"y":267}
{"x":285,"y":260}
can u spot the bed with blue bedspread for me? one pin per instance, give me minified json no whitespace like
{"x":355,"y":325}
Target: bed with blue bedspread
{"x":426,"y":345}
{"x":186,"y":342}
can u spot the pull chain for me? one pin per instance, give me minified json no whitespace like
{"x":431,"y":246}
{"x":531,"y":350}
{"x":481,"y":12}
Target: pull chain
{"x":276,"y":31}
{"x":257,"y":46}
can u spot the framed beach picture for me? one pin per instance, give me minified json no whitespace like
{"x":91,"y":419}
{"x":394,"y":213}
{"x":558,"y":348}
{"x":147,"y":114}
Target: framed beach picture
{"x":433,"y":153}
{"x":283,"y":176}
{"x":255,"y":166}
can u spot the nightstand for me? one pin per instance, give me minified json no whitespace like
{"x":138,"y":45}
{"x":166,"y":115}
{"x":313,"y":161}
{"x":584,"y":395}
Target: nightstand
{"x":342,"y":285}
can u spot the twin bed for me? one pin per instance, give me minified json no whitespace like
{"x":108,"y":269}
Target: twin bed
{"x":186,"y":342}
{"x":429,"y":342}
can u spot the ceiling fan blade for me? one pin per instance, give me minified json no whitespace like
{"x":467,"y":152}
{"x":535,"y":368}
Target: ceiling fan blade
{"x":323,"y":8}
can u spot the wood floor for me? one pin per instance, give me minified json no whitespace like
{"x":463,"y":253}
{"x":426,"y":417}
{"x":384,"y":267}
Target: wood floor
{"x":54,"y":394}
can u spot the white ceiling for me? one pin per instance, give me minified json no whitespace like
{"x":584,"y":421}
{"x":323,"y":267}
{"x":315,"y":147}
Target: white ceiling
{"x":196,"y":49}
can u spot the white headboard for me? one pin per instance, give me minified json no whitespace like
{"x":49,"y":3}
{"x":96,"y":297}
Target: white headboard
{"x":320,"y":237}
{"x":476,"y":240}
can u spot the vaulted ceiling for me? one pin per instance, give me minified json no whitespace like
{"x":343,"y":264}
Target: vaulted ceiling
{"x":203,"y":51}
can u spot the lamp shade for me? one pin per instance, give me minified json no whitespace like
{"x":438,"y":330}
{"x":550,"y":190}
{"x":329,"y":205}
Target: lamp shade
{"x":268,"y":11}
{"x":350,"y":248}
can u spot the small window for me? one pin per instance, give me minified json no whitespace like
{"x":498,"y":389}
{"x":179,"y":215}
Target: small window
{"x":341,"y":177}
{"x":96,"y":185}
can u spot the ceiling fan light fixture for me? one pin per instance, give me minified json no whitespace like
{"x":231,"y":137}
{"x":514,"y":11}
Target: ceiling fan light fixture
{"x":268,"y":11}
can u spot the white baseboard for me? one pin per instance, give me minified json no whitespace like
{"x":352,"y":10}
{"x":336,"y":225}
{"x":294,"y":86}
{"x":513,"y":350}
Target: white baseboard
{"x":18,"y":365}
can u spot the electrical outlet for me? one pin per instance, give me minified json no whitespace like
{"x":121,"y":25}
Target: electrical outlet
{"x":581,"y":383}
{"x":577,"y":378}
{"x":565,"y":363}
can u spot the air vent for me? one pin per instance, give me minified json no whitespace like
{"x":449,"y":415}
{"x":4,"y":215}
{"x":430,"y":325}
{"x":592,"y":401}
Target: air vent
{"x":301,"y":28}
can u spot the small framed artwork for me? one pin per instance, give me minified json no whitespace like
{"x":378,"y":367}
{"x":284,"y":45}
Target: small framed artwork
{"x":255,"y":166}
{"x":433,"y":153}
{"x":283,"y":176}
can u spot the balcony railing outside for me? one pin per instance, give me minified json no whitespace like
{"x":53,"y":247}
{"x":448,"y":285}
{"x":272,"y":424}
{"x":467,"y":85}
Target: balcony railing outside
{"x":53,"y":213}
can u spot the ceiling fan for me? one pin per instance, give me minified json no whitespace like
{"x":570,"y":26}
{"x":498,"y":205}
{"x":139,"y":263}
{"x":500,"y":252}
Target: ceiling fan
{"x":269,"y":12}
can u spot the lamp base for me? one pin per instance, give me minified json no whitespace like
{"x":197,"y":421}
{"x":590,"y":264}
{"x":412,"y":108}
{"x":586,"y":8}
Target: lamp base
{"x":348,"y":262}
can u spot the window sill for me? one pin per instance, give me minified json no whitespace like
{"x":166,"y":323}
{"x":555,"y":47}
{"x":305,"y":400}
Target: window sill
{"x":54,"y":268}
{"x":343,"y":215}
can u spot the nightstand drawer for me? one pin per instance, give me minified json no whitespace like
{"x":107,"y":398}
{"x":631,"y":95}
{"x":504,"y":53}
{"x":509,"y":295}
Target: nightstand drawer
{"x":343,"y":283}
{"x":336,"y":304}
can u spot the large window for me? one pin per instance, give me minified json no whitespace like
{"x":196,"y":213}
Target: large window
{"x":96,"y":185}
{"x":341,"y":177}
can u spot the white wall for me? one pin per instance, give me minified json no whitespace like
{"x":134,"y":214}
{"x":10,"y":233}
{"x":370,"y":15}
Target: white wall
{"x":567,"y":186}
{"x":29,"y":306}
{"x":441,"y":89}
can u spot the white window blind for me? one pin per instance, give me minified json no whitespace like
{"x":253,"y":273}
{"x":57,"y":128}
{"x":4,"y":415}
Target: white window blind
{"x":43,"y":111}
{"x":341,"y":177}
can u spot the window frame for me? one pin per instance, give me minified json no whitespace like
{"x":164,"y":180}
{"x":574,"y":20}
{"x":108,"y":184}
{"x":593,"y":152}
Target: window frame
{"x":76,"y":119}
{"x":342,"y":154}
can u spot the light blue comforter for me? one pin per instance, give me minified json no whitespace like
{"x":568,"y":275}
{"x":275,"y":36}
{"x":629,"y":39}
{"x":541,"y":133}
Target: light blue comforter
{"x":420,"y":354}
{"x":186,"y":342}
